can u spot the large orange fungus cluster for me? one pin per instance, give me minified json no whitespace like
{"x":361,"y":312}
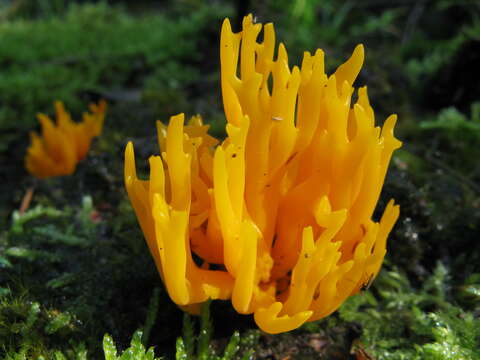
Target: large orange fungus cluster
{"x":278,"y":216}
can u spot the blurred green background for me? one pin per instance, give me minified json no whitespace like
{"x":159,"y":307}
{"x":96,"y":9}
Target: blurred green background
{"x":75,"y":267}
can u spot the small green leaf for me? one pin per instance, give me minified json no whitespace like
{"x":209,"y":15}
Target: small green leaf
{"x":180,"y":353}
{"x":204,"y":350}
{"x":19,"y":220}
{"x":58,"y":322}
{"x":59,"y":356}
{"x":62,"y":281}
{"x":136,"y":345}
{"x":57,"y":236}
{"x":4,"y":262}
{"x":188,"y":335}
{"x":232,"y":346}
{"x":109,"y":348}
{"x":4,"y":291}
{"x":20,"y":252}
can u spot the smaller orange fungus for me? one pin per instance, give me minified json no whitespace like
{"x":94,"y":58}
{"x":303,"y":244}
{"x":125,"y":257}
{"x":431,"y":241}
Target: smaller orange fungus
{"x":63,"y":145}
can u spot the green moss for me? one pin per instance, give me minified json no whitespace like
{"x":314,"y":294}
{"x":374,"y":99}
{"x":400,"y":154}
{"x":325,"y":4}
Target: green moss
{"x":192,"y":347}
{"x":93,"y":51}
{"x":29,"y":330}
{"x":188,"y":347}
{"x":75,"y":266}
{"x":61,"y":276}
{"x":136,"y":351}
{"x":401,"y":322}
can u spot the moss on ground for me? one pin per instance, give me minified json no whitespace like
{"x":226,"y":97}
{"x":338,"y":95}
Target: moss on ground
{"x":74,"y":266}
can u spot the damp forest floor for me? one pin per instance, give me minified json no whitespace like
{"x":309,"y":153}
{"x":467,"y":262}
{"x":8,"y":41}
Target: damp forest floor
{"x":76,"y":278}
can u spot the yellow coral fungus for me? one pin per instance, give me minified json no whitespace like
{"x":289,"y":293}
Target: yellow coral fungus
{"x":277,"y":217}
{"x":61,"y":147}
